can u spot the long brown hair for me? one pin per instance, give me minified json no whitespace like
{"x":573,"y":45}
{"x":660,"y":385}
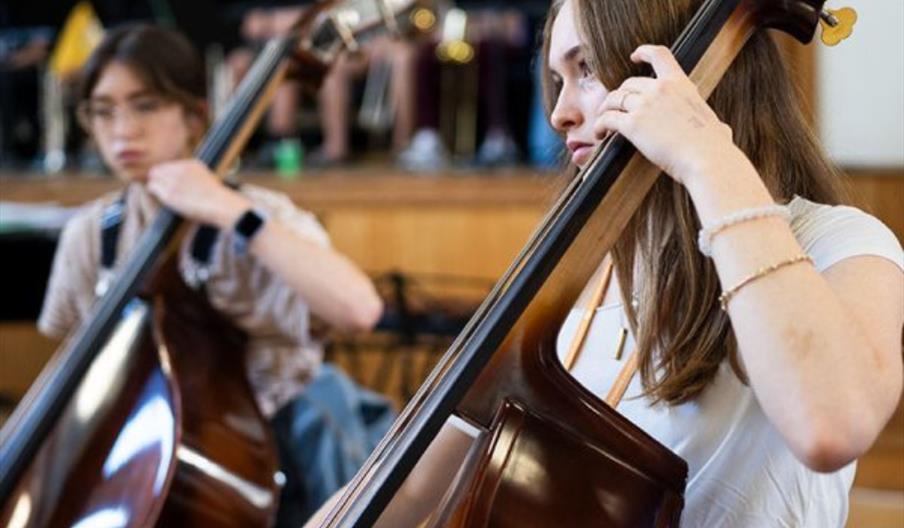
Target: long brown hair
{"x":682,"y":335}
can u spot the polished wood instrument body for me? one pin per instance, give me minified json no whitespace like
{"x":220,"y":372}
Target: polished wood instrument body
{"x":163,"y":426}
{"x":553,"y":454}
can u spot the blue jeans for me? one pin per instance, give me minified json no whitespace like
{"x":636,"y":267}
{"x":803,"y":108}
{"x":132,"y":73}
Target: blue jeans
{"x":323,"y":437}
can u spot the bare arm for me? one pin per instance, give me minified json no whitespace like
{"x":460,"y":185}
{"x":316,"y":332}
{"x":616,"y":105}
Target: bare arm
{"x":332,"y":286}
{"x":423,"y":490}
{"x":822,"y":351}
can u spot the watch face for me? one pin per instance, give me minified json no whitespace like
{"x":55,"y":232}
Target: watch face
{"x":246,"y":227}
{"x":249,"y":223}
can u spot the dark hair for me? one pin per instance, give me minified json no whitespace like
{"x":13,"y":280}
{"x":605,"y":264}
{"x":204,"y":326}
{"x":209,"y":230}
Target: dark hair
{"x":165,"y":61}
{"x":682,"y":335}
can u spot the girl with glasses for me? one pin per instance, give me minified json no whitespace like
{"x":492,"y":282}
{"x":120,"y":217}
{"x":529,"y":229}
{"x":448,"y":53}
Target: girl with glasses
{"x":270,"y":268}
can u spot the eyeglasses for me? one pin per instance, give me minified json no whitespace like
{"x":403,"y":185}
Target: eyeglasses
{"x":101,"y":116}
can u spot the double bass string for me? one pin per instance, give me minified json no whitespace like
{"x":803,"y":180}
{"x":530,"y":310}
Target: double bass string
{"x":249,"y":91}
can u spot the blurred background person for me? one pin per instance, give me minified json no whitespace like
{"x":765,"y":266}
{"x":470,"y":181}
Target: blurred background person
{"x":484,"y":51}
{"x":336,"y":95}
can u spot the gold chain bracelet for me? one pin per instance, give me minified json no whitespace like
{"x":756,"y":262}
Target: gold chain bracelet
{"x":726,"y":296}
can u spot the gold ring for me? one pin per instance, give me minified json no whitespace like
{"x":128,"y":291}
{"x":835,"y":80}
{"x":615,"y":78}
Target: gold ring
{"x":623,"y":99}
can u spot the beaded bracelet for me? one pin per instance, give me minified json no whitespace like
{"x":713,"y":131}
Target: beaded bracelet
{"x":726,"y":296}
{"x":705,"y":238}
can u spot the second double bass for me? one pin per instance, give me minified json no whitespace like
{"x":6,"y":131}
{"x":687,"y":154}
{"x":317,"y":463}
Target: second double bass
{"x":548,"y":451}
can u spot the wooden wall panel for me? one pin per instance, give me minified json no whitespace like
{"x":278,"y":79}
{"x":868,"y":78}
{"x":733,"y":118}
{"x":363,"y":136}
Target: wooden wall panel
{"x":23,"y":353}
{"x":473,"y":245}
{"x":882,"y":194}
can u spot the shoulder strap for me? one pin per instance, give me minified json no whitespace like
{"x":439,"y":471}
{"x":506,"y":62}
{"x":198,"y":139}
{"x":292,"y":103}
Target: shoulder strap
{"x":201,"y":249}
{"x":202,"y":245}
{"x":110,"y":226}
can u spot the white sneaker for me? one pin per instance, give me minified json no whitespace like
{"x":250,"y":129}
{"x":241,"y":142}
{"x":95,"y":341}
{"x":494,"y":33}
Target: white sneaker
{"x":497,"y":149}
{"x":426,"y":152}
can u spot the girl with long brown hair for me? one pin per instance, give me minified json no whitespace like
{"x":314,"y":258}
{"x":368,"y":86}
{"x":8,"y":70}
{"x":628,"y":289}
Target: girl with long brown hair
{"x":765,"y":318}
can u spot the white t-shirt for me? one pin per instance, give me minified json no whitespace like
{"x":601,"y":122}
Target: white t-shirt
{"x":741,"y":472}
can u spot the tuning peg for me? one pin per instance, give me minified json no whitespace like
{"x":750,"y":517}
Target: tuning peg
{"x":837,"y":24}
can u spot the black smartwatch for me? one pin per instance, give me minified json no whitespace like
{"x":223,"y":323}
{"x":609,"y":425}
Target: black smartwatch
{"x":246,"y":227}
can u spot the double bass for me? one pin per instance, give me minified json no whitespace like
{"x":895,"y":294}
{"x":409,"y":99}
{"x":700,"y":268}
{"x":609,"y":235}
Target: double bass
{"x":144,"y":416}
{"x":549,"y":452}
